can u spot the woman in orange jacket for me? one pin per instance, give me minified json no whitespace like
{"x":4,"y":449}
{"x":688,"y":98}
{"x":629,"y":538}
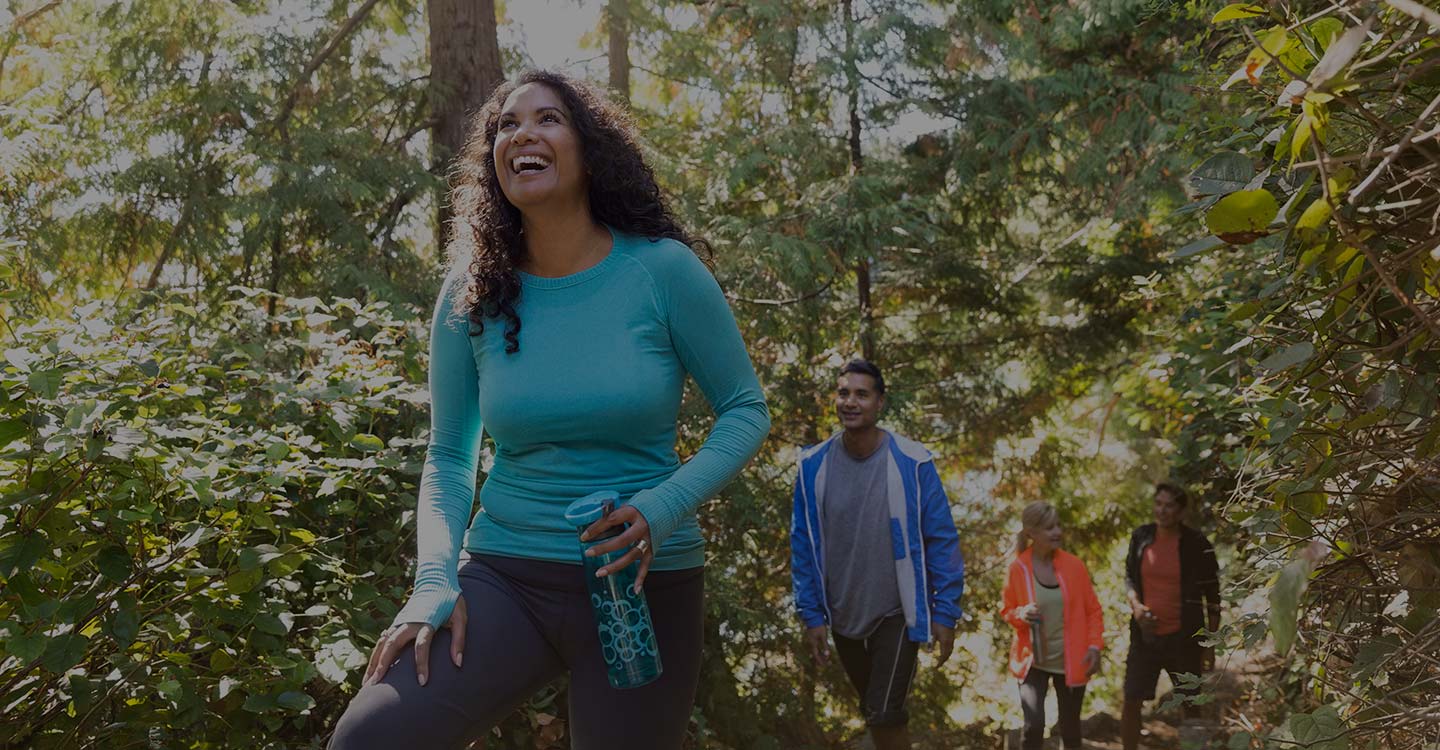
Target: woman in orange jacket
{"x":1059,"y":627}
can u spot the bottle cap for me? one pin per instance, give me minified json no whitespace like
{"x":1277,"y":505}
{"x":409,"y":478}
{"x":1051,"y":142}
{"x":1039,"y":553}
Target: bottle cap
{"x":591,"y":508}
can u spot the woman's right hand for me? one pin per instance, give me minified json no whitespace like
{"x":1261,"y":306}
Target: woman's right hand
{"x":387,"y":649}
{"x":1030,"y":612}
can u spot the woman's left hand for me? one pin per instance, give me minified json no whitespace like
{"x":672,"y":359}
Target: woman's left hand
{"x":1092,"y":661}
{"x":637,"y":538}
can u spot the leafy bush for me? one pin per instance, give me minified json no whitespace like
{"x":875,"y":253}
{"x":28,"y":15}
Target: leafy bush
{"x":206,"y":515}
{"x":1316,"y":338}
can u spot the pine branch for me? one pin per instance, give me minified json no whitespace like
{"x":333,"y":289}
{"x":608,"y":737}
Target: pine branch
{"x":345,"y":30}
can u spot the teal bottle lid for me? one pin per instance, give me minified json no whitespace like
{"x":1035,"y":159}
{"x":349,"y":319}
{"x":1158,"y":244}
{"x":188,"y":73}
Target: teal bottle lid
{"x":591,"y":508}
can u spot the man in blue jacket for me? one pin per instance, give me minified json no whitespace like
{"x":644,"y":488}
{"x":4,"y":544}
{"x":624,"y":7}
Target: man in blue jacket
{"x":874,"y":554}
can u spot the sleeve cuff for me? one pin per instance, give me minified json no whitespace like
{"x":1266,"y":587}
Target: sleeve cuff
{"x":432,"y":607}
{"x":663,"y":518}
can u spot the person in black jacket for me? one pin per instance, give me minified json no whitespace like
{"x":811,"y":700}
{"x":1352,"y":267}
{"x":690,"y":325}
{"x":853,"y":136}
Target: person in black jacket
{"x":1174,"y":590}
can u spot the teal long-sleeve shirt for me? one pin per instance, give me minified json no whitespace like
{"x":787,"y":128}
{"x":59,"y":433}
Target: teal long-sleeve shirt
{"x":588,"y":403}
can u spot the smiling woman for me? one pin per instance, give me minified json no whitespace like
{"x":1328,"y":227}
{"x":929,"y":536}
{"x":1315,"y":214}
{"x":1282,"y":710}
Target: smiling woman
{"x":560,"y":223}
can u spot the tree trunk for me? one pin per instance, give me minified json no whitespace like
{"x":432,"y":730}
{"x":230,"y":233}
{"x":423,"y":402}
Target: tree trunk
{"x":862,"y":266}
{"x":464,"y":70}
{"x":617,"y":23}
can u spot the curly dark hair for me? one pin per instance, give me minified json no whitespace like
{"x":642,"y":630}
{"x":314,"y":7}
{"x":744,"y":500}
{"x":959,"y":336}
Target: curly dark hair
{"x":487,"y":244}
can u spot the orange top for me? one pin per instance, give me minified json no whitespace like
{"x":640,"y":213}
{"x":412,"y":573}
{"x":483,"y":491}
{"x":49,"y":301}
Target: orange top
{"x":1160,"y":573}
{"x":1084,"y":620}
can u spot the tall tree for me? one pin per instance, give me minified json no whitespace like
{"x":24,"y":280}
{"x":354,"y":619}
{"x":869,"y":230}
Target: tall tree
{"x":464,"y":69}
{"x":263,"y":144}
{"x":617,"y":27}
{"x":857,"y":163}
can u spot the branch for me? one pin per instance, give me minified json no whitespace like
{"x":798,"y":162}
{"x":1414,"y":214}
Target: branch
{"x":1398,"y":148}
{"x":783,"y":302}
{"x":319,"y":59}
{"x":25,"y":18}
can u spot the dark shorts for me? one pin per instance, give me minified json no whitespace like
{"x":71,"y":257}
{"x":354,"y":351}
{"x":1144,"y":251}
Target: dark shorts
{"x":881,"y":668}
{"x":530,"y":622}
{"x":1174,"y":653}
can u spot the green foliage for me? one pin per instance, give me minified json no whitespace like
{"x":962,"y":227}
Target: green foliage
{"x":200,"y":518}
{"x":1313,"y":352}
{"x":200,"y":149}
{"x":1105,"y":265}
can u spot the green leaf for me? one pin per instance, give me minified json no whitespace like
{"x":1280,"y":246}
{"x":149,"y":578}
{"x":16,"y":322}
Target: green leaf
{"x":1339,"y":54}
{"x":113,"y":563}
{"x":259,"y":703}
{"x":295,"y":700}
{"x":1319,"y":730}
{"x":1285,"y":603}
{"x":284,"y":565}
{"x":1236,"y":11}
{"x":1221,"y":174}
{"x":171,"y":689}
{"x":248,"y":559}
{"x":1273,"y":43}
{"x":1197,"y":246}
{"x":268,"y":623}
{"x":1348,"y":290}
{"x":1244,"y":311}
{"x":243,"y":581}
{"x":1244,"y":213}
{"x":22,"y":554}
{"x":46,"y":383}
{"x":1325,"y":30}
{"x":1313,"y":122}
{"x":124,"y":625}
{"x":1372,"y":654}
{"x":26,"y":648}
{"x":64,"y":652}
{"x":1288,"y":357}
{"x":1312,"y":223}
{"x":221,"y":661}
{"x":1310,"y":505}
{"x":367,"y":442}
{"x":12,"y":429}
{"x":277,"y":451}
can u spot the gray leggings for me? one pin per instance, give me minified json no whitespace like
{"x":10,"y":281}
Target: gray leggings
{"x":530,"y":622}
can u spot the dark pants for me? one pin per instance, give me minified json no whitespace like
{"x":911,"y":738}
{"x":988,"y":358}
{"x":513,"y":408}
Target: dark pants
{"x":529,"y":622}
{"x":1175,"y":653}
{"x":1033,"y":690}
{"x":881,"y":668}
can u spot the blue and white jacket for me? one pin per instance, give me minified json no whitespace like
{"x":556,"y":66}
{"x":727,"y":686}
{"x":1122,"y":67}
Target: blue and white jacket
{"x":928,"y":565}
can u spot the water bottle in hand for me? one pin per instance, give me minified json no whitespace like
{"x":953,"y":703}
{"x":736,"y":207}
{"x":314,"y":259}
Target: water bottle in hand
{"x":627,"y":637}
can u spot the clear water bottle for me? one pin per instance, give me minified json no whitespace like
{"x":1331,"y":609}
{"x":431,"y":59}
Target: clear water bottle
{"x":627,"y":637}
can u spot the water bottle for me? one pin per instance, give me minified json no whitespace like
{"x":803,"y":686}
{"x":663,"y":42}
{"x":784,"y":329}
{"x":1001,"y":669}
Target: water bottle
{"x":1037,"y":642}
{"x":627,"y":638}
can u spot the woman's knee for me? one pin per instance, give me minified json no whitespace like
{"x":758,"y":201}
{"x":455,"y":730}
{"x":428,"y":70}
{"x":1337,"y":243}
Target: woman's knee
{"x":375,"y":719}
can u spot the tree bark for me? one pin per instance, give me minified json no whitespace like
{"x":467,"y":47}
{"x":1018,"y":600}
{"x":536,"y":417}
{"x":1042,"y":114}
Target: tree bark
{"x":617,"y":24}
{"x":464,"y":70}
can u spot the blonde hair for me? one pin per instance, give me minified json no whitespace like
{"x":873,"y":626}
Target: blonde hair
{"x":1037,"y":515}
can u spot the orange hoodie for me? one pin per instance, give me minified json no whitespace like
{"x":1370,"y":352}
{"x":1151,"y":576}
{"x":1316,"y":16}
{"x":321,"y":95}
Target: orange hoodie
{"x":1084,"y":620}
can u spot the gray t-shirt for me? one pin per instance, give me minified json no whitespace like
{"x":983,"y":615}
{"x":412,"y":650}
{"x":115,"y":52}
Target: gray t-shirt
{"x":859,"y":559}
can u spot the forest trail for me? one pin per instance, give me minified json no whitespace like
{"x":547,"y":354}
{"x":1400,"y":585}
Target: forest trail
{"x":1233,"y":686}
